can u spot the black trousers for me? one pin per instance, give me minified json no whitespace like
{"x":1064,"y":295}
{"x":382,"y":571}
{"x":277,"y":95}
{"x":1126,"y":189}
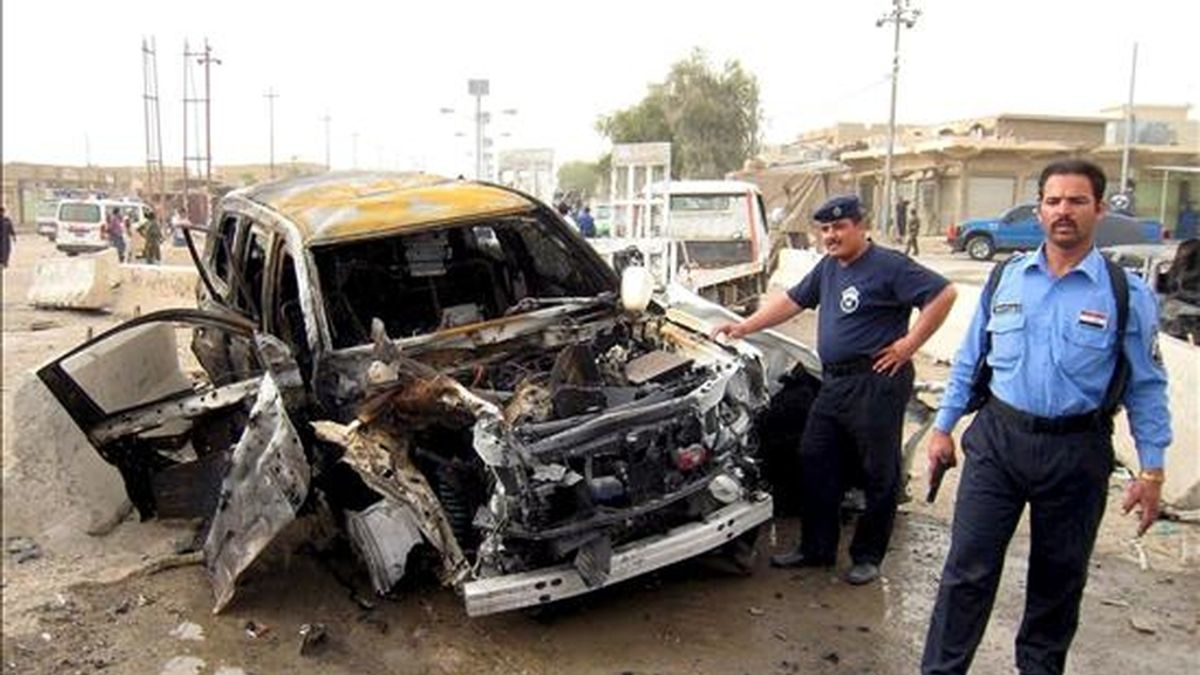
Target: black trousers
{"x":861,"y":414}
{"x":1064,"y":479}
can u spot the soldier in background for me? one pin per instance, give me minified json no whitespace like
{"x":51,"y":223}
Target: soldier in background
{"x":914,"y":231}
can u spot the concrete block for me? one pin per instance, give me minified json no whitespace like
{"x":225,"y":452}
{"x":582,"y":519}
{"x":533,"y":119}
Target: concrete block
{"x":1182,"y":489}
{"x":146,"y":288}
{"x":56,"y":483}
{"x":80,"y":282}
{"x":943,"y":344}
{"x":793,"y":265}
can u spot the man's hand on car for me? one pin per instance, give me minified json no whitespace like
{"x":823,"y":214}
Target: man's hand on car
{"x":731,"y":330}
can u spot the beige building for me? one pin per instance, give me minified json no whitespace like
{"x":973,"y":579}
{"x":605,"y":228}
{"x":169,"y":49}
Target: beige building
{"x":26,"y":184}
{"x":979,"y":167}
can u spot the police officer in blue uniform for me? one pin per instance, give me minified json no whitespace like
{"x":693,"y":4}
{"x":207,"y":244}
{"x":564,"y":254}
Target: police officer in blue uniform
{"x":1044,"y":435}
{"x":866,"y":294}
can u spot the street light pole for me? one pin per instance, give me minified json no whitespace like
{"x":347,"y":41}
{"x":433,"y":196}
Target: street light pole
{"x":478,"y":89}
{"x":271,"y":96}
{"x":326,"y":119}
{"x":1128,"y":126}
{"x":901,"y":13}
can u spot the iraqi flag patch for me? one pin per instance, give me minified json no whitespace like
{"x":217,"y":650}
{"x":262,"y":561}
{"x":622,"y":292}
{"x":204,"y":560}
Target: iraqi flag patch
{"x":1090,"y":317}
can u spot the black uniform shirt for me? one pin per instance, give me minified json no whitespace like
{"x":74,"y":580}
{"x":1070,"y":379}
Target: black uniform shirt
{"x":865,"y":305}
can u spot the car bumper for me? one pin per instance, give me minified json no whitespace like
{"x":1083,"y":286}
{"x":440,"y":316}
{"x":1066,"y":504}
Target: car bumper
{"x":80,"y":247}
{"x":525,"y":589}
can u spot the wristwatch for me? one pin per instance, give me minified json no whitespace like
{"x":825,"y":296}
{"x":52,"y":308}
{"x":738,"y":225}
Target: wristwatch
{"x":1152,"y":475}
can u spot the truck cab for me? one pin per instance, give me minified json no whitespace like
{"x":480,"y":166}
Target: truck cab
{"x":708,"y":235}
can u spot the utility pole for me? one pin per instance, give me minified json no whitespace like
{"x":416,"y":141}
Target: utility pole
{"x":204,"y":58}
{"x":901,"y":13}
{"x":207,"y":59}
{"x":1129,"y":121}
{"x":155,"y":180}
{"x":326,"y":119}
{"x":187,"y":69}
{"x":271,"y":96}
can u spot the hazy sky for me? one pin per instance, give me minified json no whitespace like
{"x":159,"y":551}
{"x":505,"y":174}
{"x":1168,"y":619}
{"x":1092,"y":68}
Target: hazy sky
{"x":72,"y":70}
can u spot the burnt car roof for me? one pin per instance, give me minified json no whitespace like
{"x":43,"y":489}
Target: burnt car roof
{"x":347,"y":205}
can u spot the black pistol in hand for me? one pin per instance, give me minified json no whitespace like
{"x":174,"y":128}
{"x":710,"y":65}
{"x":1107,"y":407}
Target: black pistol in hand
{"x":935,"y":481}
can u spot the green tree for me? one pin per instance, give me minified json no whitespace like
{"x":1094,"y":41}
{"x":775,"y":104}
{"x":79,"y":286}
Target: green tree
{"x":580,"y":178}
{"x":710,"y":117}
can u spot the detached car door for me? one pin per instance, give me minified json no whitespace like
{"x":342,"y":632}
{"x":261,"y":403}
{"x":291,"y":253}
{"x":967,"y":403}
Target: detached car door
{"x":188,"y":442}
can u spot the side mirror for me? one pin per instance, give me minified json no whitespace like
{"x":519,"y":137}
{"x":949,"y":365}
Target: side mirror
{"x":637,"y":285}
{"x":775,"y":218}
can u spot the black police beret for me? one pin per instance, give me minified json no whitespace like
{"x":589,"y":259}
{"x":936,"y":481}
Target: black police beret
{"x":841,"y":206}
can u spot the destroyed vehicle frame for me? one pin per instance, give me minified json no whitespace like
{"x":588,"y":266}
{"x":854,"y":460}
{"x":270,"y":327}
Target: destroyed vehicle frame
{"x":443,"y":364}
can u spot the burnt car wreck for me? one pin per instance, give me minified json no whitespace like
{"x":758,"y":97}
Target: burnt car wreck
{"x":435,"y":364}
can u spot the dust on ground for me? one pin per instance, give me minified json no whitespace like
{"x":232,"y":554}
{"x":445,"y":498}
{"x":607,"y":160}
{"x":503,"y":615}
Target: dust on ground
{"x":90,"y":604}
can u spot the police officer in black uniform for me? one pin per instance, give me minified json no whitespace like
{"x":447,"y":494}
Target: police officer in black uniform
{"x":866,"y":294}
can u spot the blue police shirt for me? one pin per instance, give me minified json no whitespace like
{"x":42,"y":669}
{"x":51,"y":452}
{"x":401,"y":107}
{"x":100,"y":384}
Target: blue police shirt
{"x":1053,"y":350}
{"x":866,"y":305}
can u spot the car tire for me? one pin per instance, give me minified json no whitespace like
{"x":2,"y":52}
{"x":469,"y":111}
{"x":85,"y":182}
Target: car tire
{"x":980,"y":247}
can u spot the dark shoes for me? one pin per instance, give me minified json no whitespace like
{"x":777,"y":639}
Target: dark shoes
{"x":798,"y":559}
{"x":862,"y":573}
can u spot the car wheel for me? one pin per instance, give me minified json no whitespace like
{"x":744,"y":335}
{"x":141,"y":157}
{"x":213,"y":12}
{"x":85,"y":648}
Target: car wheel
{"x":980,"y":248}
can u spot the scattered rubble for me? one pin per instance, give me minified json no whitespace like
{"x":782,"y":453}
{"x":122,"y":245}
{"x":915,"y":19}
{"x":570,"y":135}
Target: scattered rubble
{"x":188,"y":631}
{"x":312,"y":635}
{"x":1144,"y":623}
{"x":22,"y":549}
{"x":183,"y":665}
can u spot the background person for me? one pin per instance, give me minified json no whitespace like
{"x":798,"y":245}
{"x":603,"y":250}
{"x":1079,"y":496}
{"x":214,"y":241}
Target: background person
{"x":8,"y":237}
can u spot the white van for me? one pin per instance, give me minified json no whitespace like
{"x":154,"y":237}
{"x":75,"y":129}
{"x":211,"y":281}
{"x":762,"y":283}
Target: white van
{"x":81,"y":223}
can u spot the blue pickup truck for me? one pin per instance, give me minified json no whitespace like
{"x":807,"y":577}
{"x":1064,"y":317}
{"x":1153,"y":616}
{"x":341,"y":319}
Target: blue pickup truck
{"x":1018,"y":230}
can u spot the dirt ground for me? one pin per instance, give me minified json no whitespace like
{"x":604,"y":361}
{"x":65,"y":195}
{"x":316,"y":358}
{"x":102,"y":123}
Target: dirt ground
{"x":91,"y":604}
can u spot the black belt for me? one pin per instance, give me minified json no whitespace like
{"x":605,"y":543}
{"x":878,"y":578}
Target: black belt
{"x":863,"y":364}
{"x":1053,"y":426}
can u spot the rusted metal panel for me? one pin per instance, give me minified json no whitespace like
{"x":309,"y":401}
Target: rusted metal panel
{"x":347,"y":206}
{"x":655,"y":366}
{"x":267,"y":483}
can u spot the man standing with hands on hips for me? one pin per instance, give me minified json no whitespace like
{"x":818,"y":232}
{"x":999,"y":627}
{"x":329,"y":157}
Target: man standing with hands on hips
{"x":1061,"y":337}
{"x":866,"y":294}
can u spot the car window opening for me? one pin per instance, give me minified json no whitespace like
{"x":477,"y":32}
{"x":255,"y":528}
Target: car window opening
{"x":427,"y":281}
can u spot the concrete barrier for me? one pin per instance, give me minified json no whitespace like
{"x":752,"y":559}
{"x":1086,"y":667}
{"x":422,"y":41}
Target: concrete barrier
{"x":792,"y":266}
{"x":57,"y":484}
{"x":1182,"y":362}
{"x":943,"y":344}
{"x":80,"y":282}
{"x":145,"y":288}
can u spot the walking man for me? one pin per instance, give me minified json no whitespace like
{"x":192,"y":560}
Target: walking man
{"x":115,"y":229}
{"x":587,"y":225}
{"x":1065,"y":337}
{"x":866,"y":294}
{"x":914,"y":231}
{"x":8,"y":237}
